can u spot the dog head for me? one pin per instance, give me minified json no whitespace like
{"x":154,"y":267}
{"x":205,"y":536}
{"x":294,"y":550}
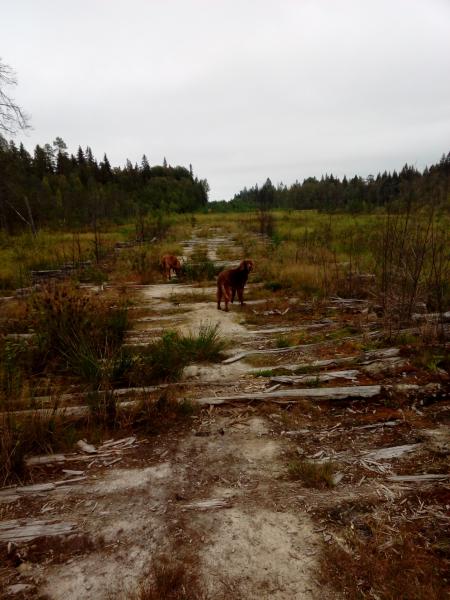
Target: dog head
{"x":246,"y":265}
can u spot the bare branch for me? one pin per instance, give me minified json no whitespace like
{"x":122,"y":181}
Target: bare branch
{"x":12,"y":118}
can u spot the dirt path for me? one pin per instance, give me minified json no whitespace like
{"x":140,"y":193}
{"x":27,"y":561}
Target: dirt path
{"x":202,"y":496}
{"x":213,"y":498}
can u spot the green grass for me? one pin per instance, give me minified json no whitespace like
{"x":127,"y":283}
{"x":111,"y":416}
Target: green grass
{"x":164,"y":359}
{"x":264,"y":373}
{"x":312,"y":474}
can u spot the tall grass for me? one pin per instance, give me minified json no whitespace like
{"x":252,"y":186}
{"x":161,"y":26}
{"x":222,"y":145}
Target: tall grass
{"x":81,"y":332}
{"x":20,"y":254}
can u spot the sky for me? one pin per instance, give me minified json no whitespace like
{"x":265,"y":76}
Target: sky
{"x":242,"y":90}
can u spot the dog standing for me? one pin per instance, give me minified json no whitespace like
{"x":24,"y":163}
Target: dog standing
{"x":170,"y":263}
{"x":231,"y":281}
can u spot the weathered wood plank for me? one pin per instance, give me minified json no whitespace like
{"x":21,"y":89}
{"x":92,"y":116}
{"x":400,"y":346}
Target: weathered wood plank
{"x":419,"y":478}
{"x":334,"y":393}
{"x":319,"y":378}
{"x":18,"y":531}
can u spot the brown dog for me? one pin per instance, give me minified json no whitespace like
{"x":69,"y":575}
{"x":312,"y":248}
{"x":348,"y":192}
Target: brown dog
{"x":231,"y":281}
{"x":170,"y":263}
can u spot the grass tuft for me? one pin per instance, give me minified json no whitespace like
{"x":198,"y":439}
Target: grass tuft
{"x":312,"y":474}
{"x":164,"y":360}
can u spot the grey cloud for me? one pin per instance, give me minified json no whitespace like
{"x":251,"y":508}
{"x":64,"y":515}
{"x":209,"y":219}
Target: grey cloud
{"x":242,"y":90}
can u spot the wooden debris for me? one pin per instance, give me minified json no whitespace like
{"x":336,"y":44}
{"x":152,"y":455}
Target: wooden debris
{"x":85,"y":447}
{"x":419,"y":478}
{"x":392,"y":452}
{"x":208,"y":504}
{"x":376,"y":425}
{"x":334,"y":393}
{"x":46,"y":459}
{"x":329,"y":362}
{"x":383,"y":366}
{"x":432,"y":317}
{"x":321,"y":378}
{"x":19,"y":531}
{"x":296,"y":433}
{"x":122,"y":443}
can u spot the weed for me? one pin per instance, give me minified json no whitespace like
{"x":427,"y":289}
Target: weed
{"x":41,"y":432}
{"x":79,"y":331}
{"x":152,"y":417}
{"x":282,"y":341}
{"x":13,"y":360}
{"x":165,"y":359}
{"x":204,"y":270}
{"x":273,"y":286}
{"x":206,"y":345}
{"x":312,"y":474}
{"x":264,"y":373}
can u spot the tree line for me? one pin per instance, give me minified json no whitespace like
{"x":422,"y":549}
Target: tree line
{"x":357,"y":194}
{"x":53,"y":188}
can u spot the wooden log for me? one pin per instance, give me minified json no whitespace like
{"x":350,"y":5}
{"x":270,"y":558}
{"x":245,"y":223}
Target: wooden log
{"x":365,"y":359}
{"x":208,"y":504}
{"x":320,"y":378}
{"x":419,"y":478}
{"x":334,"y":393}
{"x":391,"y":452}
{"x":18,"y":531}
{"x":302,"y":347}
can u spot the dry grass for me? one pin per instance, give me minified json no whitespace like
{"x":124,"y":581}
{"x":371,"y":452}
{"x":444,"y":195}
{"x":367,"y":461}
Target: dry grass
{"x":405,"y":566}
{"x":171,"y":579}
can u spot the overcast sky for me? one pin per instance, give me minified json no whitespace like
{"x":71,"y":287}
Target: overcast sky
{"x":243,"y":90}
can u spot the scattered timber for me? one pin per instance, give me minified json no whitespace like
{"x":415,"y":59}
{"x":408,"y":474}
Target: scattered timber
{"x":363,"y":359}
{"x":302,"y":347}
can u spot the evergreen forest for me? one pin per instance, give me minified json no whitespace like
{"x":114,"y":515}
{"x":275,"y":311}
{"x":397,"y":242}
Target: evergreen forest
{"x":54,"y":189}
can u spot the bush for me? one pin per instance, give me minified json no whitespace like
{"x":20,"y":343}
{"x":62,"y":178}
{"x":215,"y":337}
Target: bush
{"x":81,"y":332}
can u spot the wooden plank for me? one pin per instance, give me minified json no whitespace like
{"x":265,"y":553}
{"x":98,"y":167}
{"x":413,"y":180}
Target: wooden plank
{"x":419,"y":478}
{"x":334,"y":393}
{"x":320,"y":378}
{"x":368,"y":391}
{"x":18,"y":531}
{"x":391,"y":452}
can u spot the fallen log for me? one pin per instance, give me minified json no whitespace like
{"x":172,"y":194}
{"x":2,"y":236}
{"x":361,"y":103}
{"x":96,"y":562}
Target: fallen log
{"x":17,"y":531}
{"x":419,"y":478}
{"x":364,"y":359}
{"x":334,"y":393}
{"x":391,"y":452}
{"x":320,"y":378}
{"x":301,"y":347}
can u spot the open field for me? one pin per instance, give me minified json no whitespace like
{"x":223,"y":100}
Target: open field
{"x":295,"y":447}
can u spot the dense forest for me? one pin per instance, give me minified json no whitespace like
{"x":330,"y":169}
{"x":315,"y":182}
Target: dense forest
{"x":54,"y":189}
{"x":354,"y":195}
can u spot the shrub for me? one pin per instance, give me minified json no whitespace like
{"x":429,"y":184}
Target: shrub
{"x":205,"y":270}
{"x":79,"y":331}
{"x":164,"y":359}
